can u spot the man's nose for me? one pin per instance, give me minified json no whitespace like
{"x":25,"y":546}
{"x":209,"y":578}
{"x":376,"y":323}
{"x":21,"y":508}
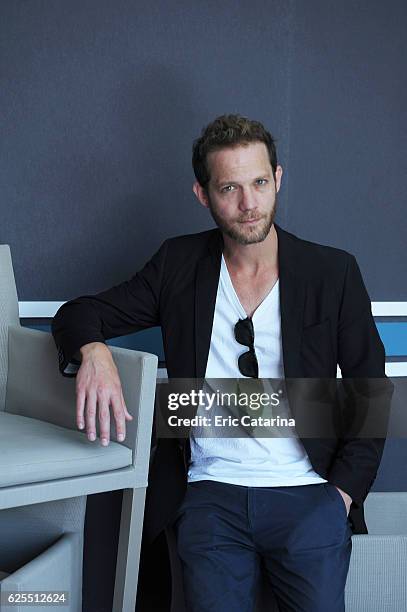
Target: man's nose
{"x":247,"y":199}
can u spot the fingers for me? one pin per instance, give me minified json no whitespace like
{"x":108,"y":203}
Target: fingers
{"x":98,"y":389}
{"x":126,"y":412}
{"x":80,"y":407}
{"x":99,"y":402}
{"x":119,"y":415}
{"x":90,"y":415}
{"x":104,"y":418}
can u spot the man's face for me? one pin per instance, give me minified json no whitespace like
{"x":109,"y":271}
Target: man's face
{"x":241,"y":194}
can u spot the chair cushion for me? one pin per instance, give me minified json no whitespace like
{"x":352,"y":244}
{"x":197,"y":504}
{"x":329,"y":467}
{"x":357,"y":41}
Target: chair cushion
{"x":36,"y":451}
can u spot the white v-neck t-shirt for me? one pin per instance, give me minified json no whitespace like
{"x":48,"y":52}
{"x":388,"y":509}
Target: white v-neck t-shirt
{"x":248,"y":461}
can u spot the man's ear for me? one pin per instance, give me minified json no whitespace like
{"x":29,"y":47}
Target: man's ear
{"x":200,"y":193}
{"x":278,"y":175}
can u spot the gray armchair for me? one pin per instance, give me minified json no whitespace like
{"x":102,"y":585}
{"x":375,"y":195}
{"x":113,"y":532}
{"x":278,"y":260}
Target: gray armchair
{"x":48,"y":467}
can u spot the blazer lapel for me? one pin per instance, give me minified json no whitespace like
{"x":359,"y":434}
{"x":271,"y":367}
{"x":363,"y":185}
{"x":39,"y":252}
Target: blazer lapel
{"x":206,"y":287}
{"x":292,"y":296}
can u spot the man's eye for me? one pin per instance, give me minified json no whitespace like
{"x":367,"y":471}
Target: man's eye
{"x":261,"y":182}
{"x":227,"y":188}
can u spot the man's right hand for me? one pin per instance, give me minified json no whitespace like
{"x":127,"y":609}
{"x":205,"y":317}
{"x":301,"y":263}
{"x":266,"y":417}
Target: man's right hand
{"x":98,"y":388}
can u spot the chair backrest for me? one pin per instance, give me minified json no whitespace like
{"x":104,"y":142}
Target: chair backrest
{"x":386,"y":512}
{"x":8,"y":314}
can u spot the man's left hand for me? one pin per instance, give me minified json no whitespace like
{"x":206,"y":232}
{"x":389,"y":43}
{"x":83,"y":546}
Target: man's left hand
{"x":346,"y":498}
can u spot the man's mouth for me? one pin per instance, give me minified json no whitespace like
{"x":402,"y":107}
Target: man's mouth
{"x":249,"y":221}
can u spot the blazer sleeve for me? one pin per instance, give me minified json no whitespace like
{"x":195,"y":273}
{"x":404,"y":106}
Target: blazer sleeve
{"x":128,"y":307}
{"x":361,"y":358}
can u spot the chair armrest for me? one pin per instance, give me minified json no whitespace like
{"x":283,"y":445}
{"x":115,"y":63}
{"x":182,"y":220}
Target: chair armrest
{"x":36,"y":388}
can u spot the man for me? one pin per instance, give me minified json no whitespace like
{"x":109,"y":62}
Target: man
{"x":290,"y":503}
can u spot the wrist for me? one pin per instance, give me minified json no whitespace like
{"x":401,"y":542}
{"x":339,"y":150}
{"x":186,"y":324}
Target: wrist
{"x":93,"y":348}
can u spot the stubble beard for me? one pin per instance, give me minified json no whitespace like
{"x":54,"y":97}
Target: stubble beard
{"x":243,"y":233}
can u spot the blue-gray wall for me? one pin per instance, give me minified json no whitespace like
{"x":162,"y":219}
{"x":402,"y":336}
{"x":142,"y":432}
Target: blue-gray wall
{"x":101,"y":99}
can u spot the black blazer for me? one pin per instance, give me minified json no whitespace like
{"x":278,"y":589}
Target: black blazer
{"x":325,"y":320}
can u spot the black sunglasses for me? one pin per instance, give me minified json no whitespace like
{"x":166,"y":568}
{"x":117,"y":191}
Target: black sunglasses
{"x":247,"y":362}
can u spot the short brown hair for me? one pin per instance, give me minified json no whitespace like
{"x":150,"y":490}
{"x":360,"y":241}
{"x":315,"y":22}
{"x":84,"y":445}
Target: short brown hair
{"x":228,"y":131}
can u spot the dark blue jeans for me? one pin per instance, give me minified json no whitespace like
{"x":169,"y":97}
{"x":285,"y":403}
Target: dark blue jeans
{"x":300,"y":535}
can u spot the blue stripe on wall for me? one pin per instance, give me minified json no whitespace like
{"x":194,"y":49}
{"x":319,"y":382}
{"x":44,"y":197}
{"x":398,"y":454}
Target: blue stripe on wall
{"x":393,"y":335}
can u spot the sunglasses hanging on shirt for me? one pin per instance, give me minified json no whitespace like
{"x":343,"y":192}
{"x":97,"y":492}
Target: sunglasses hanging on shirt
{"x":247,"y":362}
